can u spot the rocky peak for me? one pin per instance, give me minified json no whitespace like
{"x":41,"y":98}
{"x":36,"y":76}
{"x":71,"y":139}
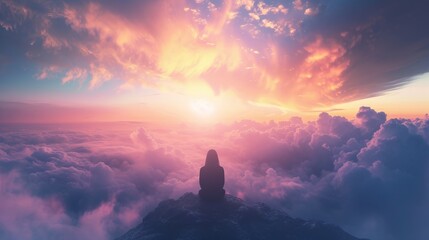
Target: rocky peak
{"x":189,"y":218}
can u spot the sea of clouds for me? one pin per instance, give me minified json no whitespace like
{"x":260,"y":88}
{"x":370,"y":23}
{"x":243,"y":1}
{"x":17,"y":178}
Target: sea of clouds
{"x":368,"y":175}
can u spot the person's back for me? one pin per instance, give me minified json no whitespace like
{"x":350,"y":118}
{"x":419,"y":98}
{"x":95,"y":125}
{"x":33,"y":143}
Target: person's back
{"x":212,"y":178}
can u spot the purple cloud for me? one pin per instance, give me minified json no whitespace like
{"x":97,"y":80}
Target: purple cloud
{"x":368,"y":175}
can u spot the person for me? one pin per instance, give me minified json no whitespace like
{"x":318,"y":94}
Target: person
{"x":212,"y":178}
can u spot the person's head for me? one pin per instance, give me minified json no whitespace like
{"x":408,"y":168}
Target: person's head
{"x":212,"y":159}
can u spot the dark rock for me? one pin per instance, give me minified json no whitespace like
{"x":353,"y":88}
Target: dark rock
{"x":189,"y":218}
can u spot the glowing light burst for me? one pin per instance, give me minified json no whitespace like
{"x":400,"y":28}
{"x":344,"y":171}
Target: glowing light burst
{"x":202,"y":108}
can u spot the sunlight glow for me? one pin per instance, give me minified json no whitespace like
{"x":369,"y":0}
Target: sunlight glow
{"x":202,"y":108}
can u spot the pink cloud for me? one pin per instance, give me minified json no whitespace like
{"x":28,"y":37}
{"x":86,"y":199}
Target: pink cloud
{"x":89,"y":180}
{"x":295,"y":55}
{"x":188,"y":47}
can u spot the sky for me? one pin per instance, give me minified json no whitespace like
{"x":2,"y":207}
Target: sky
{"x":316,"y":107}
{"x":228,"y":59}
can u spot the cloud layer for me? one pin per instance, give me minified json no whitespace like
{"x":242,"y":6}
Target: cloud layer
{"x":298,"y":53}
{"x":367,"y":175}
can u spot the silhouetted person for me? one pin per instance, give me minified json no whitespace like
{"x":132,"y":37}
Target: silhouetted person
{"x":212,"y":178}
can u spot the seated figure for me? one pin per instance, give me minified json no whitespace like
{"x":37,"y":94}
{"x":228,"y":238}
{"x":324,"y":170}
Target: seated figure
{"x":212,"y":178}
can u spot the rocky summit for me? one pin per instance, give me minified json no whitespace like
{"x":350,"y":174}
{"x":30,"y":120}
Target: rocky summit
{"x":189,"y":218}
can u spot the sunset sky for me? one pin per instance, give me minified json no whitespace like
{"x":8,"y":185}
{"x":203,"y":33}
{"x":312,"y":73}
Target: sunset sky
{"x":223,"y":60}
{"x":316,"y":107}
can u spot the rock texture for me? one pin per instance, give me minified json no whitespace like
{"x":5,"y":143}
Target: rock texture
{"x":188,"y":218}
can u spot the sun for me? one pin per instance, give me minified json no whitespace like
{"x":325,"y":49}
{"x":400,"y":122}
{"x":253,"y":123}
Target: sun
{"x":202,"y":108}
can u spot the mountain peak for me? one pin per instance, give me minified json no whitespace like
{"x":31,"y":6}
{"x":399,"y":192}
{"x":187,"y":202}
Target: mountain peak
{"x":189,"y":218}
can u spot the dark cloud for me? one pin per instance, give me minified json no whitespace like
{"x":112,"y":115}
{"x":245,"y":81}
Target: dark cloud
{"x":387,"y":44}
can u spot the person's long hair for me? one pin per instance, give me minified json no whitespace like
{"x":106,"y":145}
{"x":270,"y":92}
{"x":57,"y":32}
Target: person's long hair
{"x":212,"y":159}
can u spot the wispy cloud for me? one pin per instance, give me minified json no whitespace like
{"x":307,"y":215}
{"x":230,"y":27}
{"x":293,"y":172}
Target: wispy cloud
{"x":301,"y":54}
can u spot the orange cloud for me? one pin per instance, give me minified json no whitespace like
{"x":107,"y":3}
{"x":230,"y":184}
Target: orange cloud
{"x":323,"y":68}
{"x":177,"y":45}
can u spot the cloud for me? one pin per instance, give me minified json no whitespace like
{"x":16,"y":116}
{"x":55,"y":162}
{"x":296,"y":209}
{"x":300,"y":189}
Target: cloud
{"x":378,"y":177}
{"x":80,"y":182}
{"x":367,"y":175}
{"x":370,"y":120}
{"x":140,"y":136}
{"x":295,"y":54}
